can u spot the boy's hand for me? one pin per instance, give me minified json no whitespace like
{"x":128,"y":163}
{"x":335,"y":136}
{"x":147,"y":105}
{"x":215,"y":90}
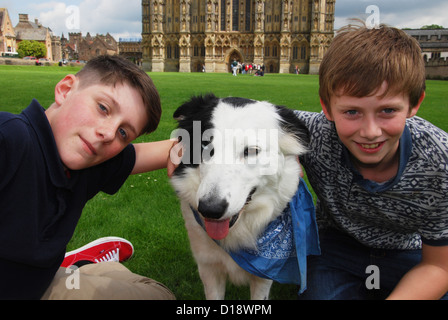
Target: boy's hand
{"x":174,"y":158}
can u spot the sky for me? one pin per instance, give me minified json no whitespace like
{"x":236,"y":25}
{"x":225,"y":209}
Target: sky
{"x":123,"y":18}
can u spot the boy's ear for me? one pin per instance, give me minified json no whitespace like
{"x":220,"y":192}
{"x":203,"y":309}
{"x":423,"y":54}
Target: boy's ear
{"x":414,"y":110}
{"x":326,"y":110}
{"x":64,"y":87}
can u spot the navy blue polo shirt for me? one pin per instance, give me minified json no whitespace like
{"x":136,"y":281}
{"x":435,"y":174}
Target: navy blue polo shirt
{"x":39,"y":204}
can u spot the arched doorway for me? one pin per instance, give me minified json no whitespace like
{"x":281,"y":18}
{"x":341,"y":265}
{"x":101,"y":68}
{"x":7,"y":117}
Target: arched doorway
{"x":234,"y":55}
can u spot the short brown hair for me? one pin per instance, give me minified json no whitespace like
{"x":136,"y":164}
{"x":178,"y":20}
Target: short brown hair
{"x":110,"y":70}
{"x":360,"y":59}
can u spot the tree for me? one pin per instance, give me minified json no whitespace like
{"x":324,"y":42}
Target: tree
{"x":32,"y":48}
{"x":431,"y":27}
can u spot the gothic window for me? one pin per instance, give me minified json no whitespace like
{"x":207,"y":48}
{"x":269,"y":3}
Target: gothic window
{"x":235,"y":14}
{"x":275,"y":51}
{"x":248,"y":15}
{"x":303,"y":53}
{"x":295,"y":52}
{"x":168,"y":52}
{"x":198,"y":51}
{"x":223,"y":15}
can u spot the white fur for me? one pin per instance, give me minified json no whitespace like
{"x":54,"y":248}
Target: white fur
{"x":234,"y":181}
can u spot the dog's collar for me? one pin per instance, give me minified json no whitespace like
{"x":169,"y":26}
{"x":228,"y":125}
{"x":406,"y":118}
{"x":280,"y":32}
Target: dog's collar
{"x":284,"y":245}
{"x":198,"y":218}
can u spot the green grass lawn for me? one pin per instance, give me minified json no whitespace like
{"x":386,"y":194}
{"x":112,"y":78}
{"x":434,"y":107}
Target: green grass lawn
{"x":146,"y":210}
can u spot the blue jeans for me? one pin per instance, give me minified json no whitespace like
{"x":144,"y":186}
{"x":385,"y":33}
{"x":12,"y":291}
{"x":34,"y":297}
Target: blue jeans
{"x":339,"y":273}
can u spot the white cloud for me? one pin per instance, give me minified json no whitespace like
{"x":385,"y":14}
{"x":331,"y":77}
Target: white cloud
{"x":397,"y":13}
{"x":119,"y":18}
{"x":54,"y":15}
{"x":113,"y":16}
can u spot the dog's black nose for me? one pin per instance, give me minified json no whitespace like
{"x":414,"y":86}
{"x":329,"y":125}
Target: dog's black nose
{"x":212,"y":208}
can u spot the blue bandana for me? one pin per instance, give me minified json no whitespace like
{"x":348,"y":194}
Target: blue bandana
{"x":282,"y":249}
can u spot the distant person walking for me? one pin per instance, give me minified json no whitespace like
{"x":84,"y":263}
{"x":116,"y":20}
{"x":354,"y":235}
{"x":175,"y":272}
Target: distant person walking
{"x":234,"y":67}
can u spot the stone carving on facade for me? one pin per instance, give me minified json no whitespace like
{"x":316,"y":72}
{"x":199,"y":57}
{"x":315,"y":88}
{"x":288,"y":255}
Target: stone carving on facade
{"x":185,"y":35}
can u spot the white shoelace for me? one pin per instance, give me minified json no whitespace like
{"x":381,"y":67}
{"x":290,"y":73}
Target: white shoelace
{"x":110,"y":256}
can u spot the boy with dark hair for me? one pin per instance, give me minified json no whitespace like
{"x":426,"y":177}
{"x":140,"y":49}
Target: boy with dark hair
{"x":53,"y":161}
{"x":379,"y":172}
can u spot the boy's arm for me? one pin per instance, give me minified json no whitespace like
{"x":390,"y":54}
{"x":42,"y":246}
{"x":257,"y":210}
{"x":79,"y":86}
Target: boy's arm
{"x":153,"y":156}
{"x":428,"y":279}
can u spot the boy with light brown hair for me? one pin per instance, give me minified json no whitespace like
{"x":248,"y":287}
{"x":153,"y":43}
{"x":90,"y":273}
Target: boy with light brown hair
{"x":53,"y":161}
{"x":380,"y":173}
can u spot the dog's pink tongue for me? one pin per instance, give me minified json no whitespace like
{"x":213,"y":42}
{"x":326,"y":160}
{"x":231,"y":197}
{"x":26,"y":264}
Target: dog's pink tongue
{"x":217,"y":229}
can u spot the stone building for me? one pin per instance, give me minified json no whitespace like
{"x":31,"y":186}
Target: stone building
{"x":434,"y":44}
{"x":77,"y":47}
{"x":131,"y":48}
{"x":7,"y":34}
{"x":184,"y":35}
{"x":34,"y":31}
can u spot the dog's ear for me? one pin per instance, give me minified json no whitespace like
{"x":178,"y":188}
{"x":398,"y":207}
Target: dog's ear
{"x":295,"y":128}
{"x":292,"y":124}
{"x":194,"y":105}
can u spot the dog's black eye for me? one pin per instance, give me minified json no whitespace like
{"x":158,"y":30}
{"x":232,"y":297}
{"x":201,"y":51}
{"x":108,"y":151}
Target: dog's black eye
{"x":207,"y":150}
{"x":251,"y":151}
{"x":205,"y":145}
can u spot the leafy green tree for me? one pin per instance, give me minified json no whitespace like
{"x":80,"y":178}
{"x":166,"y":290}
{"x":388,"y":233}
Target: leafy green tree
{"x":32,"y":48}
{"x":432,"y":27}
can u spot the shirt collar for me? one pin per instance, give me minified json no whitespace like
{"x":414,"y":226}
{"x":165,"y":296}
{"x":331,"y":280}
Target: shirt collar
{"x":405,"y":151}
{"x":37,"y":118}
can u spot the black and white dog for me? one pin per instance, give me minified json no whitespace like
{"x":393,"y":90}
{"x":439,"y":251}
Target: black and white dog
{"x":238,"y":173}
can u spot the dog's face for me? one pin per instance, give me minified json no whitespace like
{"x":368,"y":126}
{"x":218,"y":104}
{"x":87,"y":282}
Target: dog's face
{"x":232,"y":149}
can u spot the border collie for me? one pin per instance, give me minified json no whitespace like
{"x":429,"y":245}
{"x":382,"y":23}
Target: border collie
{"x":238,"y":172}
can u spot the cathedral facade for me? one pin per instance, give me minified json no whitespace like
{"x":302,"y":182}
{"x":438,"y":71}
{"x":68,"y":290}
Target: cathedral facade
{"x":188,"y":35}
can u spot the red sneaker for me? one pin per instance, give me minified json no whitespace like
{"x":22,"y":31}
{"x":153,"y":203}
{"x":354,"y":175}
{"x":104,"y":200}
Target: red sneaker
{"x":103,"y":249}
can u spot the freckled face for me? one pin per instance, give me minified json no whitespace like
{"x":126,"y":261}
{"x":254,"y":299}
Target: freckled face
{"x":93,"y":124}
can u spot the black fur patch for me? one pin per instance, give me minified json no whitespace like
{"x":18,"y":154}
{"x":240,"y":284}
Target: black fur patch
{"x":292,"y":124}
{"x":238,"y":102}
{"x":197,"y":109}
